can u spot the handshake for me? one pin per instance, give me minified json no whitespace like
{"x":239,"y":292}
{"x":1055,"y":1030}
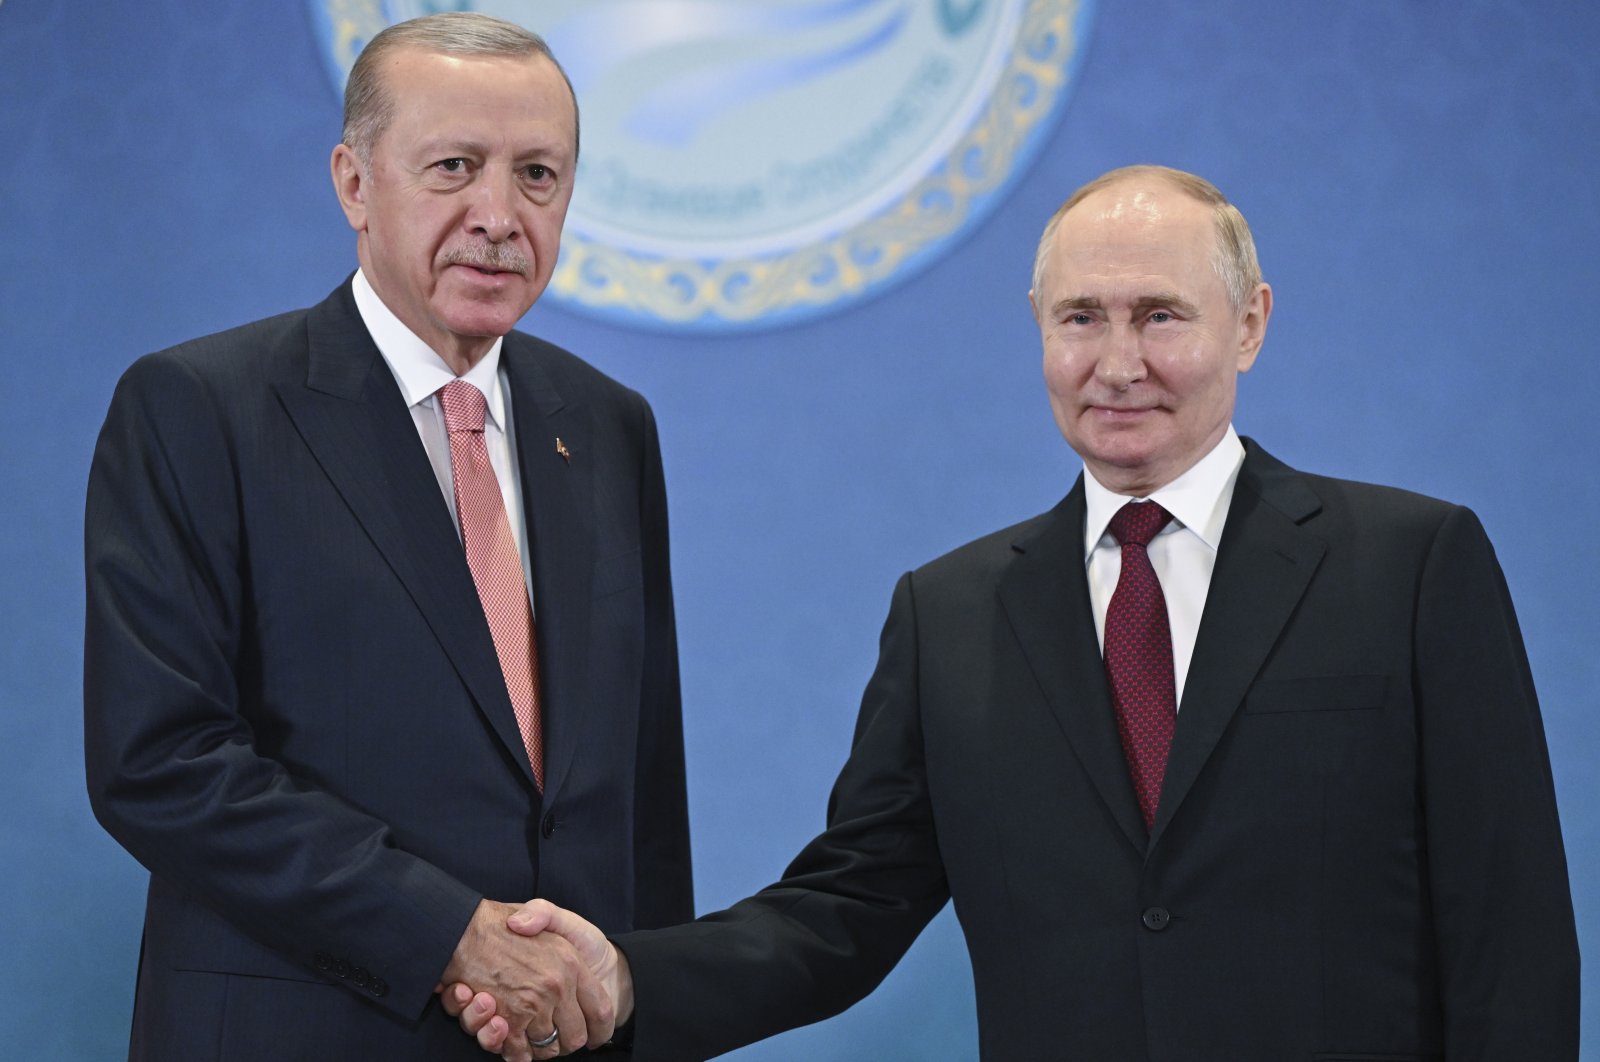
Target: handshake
{"x":535,"y":981}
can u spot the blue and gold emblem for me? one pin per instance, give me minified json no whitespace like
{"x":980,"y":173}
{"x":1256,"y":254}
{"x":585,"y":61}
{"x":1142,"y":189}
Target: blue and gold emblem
{"x":749,"y":162}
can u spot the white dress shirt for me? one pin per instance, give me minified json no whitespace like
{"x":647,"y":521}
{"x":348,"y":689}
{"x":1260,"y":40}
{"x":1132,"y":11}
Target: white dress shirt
{"x":421,"y":373}
{"x":1183,"y":553}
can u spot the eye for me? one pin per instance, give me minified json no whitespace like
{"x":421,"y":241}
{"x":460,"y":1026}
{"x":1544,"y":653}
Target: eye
{"x":1160,"y":317}
{"x":539,"y":173}
{"x":452,"y":165}
{"x":1081,"y":319}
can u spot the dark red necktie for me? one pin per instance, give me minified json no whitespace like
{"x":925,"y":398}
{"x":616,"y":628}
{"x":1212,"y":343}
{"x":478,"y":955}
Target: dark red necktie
{"x":1139,"y":655}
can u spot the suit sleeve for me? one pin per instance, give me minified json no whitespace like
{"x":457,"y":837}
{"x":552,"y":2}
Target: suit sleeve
{"x":847,"y":908}
{"x":1508,"y":954}
{"x":172,"y":769}
{"x":663,"y":885}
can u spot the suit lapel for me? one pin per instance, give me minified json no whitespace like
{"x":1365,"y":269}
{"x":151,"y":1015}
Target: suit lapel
{"x":1264,"y":564}
{"x":557,"y":497}
{"x":1045,"y":595}
{"x":355,"y":422}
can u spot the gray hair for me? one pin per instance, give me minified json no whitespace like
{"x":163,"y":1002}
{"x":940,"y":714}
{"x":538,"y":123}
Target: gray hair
{"x":368,"y":105}
{"x":1235,"y":256}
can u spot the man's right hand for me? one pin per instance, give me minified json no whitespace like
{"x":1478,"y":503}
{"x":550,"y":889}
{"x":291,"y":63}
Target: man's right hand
{"x":537,"y":982}
{"x":478,"y":1009}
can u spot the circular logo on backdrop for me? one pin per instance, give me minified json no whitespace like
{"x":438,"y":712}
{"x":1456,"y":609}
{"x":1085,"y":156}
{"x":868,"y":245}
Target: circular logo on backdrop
{"x":747,"y":162}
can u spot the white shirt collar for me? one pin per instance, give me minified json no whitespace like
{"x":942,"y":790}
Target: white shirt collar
{"x":419,"y":371}
{"x":1197,"y":500}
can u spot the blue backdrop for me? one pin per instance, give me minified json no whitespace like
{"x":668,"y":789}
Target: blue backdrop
{"x":1420,"y":178}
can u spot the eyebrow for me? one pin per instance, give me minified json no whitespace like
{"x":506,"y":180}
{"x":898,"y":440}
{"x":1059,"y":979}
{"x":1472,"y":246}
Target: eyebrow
{"x":449,"y":147}
{"x":1170,"y":299}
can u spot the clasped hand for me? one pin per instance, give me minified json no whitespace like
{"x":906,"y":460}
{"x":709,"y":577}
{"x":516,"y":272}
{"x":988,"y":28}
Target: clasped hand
{"x":521,"y":973}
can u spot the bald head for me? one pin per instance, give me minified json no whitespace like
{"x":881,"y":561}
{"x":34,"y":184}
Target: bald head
{"x":1140,"y":188}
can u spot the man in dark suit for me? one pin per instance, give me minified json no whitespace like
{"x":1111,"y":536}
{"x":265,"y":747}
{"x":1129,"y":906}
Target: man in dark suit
{"x":336,"y":738}
{"x":1261,"y":781}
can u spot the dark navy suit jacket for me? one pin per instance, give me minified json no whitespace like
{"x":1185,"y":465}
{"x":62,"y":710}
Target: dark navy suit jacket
{"x":294,"y":715}
{"x":1356,"y":854}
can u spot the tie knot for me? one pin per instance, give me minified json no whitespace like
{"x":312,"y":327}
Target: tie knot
{"x":463,"y":406}
{"x":1136,"y":523}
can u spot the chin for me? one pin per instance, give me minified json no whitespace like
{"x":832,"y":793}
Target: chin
{"x":496,"y":322}
{"x":1122,"y":451}
{"x":1128,"y":465}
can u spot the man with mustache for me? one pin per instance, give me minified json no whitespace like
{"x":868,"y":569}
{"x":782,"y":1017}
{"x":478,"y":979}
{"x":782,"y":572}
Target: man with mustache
{"x":1219,"y":761}
{"x":380,"y":626}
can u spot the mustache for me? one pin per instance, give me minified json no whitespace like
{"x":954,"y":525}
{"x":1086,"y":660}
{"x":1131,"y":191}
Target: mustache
{"x":496,"y":256}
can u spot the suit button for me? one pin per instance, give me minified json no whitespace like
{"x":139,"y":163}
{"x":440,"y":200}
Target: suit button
{"x":361,"y":977}
{"x":548,"y":826}
{"x":379,"y":987}
{"x":323,"y":961}
{"x":1156,"y":918}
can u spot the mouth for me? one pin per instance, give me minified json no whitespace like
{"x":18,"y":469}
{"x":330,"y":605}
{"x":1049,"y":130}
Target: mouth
{"x":1127,"y":415}
{"x":487,"y":270}
{"x":486,"y":280}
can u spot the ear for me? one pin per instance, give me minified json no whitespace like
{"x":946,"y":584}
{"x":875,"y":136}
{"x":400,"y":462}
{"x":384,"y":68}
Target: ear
{"x":1033,"y":304}
{"x":349,"y":182}
{"x":1253,"y":326}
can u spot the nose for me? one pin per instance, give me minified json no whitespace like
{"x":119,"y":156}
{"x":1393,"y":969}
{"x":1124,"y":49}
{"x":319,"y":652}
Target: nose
{"x":1121,"y":362}
{"x":493,"y":214}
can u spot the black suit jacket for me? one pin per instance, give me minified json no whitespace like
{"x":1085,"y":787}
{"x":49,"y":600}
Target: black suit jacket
{"x":294,"y":715}
{"x":1356,"y":854}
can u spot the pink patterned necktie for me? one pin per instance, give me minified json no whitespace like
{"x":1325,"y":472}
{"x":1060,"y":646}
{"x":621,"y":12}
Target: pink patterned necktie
{"x":495,"y":561}
{"x":1139,"y":655}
